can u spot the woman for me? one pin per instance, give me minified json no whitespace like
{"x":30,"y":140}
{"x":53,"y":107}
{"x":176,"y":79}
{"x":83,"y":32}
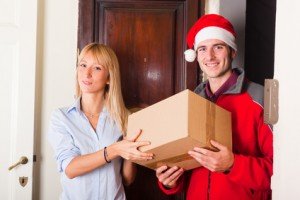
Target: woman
{"x":87,"y":137}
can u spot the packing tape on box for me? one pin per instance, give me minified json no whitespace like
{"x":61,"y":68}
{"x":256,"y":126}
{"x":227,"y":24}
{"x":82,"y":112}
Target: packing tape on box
{"x":210,"y":123}
{"x":171,"y":160}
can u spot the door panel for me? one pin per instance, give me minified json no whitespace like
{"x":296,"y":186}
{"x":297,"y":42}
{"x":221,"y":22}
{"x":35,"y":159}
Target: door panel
{"x":145,"y":36}
{"x":7,"y":51}
{"x":17,"y":85}
{"x":149,"y":40}
{"x":145,"y":51}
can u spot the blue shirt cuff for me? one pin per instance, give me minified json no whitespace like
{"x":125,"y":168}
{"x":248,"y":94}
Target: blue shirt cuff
{"x":65,"y":163}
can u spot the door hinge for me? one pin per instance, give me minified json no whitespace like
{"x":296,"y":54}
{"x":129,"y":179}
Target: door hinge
{"x":271,"y":101}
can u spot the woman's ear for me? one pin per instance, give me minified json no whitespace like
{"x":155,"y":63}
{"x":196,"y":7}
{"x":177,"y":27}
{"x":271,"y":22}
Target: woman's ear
{"x":107,"y":83}
{"x":108,"y":79}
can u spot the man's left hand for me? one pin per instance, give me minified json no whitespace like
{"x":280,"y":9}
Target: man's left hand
{"x":220,"y":161}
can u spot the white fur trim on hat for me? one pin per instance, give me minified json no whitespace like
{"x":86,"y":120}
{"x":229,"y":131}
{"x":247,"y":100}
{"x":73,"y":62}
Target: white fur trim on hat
{"x":190,"y":55}
{"x":213,"y":32}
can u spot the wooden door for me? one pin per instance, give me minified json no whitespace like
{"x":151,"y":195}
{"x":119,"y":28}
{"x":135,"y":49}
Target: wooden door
{"x":149,"y":40}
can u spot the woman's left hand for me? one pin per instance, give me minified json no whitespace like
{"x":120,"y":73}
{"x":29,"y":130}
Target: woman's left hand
{"x":129,"y":149}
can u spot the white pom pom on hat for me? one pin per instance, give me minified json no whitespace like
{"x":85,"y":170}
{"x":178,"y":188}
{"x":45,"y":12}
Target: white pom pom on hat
{"x":190,"y":55}
{"x":210,"y":26}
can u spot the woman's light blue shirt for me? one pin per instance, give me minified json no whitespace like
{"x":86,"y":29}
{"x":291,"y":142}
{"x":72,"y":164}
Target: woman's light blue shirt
{"x":71,"y":135}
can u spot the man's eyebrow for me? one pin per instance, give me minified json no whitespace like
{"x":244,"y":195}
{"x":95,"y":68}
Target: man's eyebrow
{"x":217,"y":44}
{"x":222,"y":44}
{"x":201,"y":46}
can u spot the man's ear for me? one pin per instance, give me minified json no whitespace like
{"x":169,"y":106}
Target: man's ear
{"x":233,"y":53}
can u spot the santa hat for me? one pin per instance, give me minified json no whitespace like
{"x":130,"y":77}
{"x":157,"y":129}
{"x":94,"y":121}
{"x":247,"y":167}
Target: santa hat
{"x":210,"y":26}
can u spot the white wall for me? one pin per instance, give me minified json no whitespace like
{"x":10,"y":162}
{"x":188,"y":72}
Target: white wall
{"x":286,"y":176}
{"x":57,"y":44}
{"x":238,"y":19}
{"x":235,"y":11}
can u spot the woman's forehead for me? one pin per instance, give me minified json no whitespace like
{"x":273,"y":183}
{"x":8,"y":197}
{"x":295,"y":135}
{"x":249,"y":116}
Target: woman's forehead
{"x":90,"y":56}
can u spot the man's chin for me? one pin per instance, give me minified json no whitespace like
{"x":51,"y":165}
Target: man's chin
{"x":213,"y":75}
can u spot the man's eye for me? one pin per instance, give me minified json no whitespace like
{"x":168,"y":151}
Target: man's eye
{"x":219,"y":47}
{"x":201,"y":49}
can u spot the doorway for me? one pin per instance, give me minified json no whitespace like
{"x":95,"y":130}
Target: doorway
{"x":260,"y":40}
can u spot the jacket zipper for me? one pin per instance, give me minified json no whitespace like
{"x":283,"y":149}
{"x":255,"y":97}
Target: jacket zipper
{"x":208,"y":185}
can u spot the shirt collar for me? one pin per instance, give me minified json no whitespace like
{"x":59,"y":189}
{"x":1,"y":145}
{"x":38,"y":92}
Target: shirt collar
{"x":225,"y":87}
{"x":76,"y":106}
{"x":235,"y":89}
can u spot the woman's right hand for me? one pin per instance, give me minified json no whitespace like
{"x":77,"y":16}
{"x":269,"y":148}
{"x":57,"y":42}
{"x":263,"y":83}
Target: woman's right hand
{"x":129,"y":149}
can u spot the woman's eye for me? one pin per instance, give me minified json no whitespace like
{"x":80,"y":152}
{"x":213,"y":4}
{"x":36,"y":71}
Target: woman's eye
{"x":98,"y":68}
{"x":82,"y":65}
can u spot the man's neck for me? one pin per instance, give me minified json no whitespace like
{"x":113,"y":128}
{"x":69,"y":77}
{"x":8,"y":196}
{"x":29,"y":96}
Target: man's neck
{"x":216,"y":83}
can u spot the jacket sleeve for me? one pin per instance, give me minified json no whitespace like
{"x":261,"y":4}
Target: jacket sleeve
{"x":177,"y":189}
{"x":255,"y":171}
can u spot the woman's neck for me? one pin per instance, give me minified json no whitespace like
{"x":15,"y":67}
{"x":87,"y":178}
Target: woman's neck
{"x":92,"y":104}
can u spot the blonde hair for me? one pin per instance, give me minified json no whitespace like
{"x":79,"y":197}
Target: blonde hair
{"x":106,"y":57}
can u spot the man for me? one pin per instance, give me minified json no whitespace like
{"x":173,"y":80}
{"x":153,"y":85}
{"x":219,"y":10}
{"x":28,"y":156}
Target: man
{"x":245,"y":172}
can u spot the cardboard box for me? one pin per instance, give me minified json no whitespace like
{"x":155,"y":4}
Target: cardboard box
{"x":178,"y":124}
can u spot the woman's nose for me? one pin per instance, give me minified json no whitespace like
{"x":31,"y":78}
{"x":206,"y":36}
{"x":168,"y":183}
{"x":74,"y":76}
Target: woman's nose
{"x":88,"y":72}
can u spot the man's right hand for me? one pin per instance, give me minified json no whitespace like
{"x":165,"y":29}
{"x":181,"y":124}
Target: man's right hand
{"x":169,"y":176}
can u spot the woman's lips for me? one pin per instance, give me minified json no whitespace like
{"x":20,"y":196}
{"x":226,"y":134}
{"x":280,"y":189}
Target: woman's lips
{"x":86,"y":82}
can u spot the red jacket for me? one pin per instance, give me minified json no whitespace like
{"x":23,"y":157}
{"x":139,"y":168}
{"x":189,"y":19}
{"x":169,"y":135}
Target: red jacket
{"x":250,"y":175}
